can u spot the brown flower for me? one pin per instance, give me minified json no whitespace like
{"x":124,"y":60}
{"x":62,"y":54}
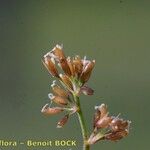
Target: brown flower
{"x":115,"y":136}
{"x":63,"y":121}
{"x":73,"y":73}
{"x":115,"y":128}
{"x":86,"y":90}
{"x":71,"y":66}
{"x":59,"y":91}
{"x":51,"y":111}
{"x":102,"y":120}
{"x":58,"y":99}
{"x":66,"y":80}
{"x":76,"y":67}
{"x":49,"y":63}
{"x":118,"y":124}
{"x":119,"y":128}
{"x":87,"y":70}
{"x":57,"y":52}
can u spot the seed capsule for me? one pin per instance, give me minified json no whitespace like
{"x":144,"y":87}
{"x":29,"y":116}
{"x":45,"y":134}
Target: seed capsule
{"x":119,"y":124}
{"x":115,"y":136}
{"x":87,"y":90}
{"x":103,"y":122}
{"x":78,"y":65}
{"x":58,"y":52}
{"x":65,"y":67}
{"x":63,"y":121}
{"x":49,"y":64}
{"x":96,"y":117}
{"x":59,"y":91}
{"x":86,"y":73}
{"x":51,"y":111}
{"x":66,"y":81}
{"x":103,"y":109}
{"x":71,"y":66}
{"x":57,"y":99}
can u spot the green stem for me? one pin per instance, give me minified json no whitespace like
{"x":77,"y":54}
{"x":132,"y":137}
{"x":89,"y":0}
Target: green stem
{"x":86,"y":146}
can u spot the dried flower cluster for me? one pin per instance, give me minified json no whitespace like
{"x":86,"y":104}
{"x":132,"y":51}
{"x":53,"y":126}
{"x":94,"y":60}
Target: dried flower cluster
{"x":73,"y":79}
{"x":108,"y":127}
{"x":76,"y":72}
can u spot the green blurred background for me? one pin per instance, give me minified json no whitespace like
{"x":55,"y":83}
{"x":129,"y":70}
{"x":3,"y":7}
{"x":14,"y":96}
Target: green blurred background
{"x":113,"y":32}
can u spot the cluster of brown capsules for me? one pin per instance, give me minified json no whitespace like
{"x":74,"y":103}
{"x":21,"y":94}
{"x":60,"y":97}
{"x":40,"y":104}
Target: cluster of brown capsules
{"x":107,"y":127}
{"x":76,"y":72}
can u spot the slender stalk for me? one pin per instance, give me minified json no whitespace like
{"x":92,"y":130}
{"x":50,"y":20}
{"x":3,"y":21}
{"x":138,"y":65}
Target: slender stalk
{"x":86,"y":146}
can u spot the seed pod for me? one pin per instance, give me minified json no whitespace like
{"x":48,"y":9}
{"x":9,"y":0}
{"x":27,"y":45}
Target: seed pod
{"x":66,"y":81}
{"x":57,"y":99}
{"x":86,"y":90}
{"x":85,"y":62}
{"x":63,"y":121}
{"x":59,"y":91}
{"x":115,"y":136}
{"x":58,"y":52}
{"x":65,"y":67}
{"x":78,"y":65}
{"x":96,"y":118}
{"x":103,"y":109}
{"x":51,"y":111}
{"x":103,"y":122}
{"x":50,"y":65}
{"x":86,"y":73}
{"x":119,"y":124}
{"x":71,"y":66}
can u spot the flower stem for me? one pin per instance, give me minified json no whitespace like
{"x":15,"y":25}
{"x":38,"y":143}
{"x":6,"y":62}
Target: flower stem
{"x":86,"y":146}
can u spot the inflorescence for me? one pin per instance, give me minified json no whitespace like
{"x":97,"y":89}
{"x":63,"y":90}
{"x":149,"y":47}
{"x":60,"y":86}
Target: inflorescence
{"x":73,"y":79}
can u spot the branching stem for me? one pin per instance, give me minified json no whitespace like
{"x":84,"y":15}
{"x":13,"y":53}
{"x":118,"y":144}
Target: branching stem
{"x":86,"y":146}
